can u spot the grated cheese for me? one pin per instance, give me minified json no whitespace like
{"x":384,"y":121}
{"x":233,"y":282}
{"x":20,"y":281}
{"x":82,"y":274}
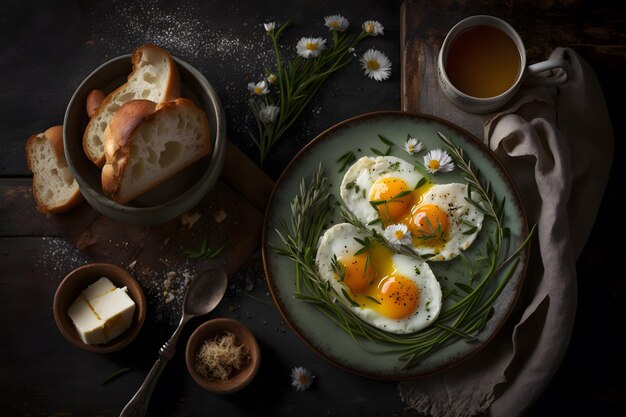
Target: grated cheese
{"x":218,"y":358}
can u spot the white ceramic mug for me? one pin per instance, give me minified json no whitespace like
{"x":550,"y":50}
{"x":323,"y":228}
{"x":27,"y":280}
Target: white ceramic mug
{"x":527,"y":74}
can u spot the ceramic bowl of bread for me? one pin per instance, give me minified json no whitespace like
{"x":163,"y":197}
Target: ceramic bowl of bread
{"x":144,"y":137}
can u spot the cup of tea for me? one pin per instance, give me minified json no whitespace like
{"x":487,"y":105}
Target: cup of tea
{"x":482,"y":64}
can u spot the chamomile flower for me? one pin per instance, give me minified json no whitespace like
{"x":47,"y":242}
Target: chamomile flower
{"x":412,"y":145}
{"x":260,"y":89}
{"x":376,"y":64}
{"x":272,"y":78}
{"x":438,"y":160}
{"x":269,"y":26}
{"x":301,"y":378}
{"x":373,"y":28}
{"x":310,"y":47}
{"x":336,"y":22}
{"x":398,"y":234}
{"x":268,"y":113}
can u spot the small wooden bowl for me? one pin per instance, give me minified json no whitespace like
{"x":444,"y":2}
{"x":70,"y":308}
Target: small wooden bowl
{"x":79,"y":279}
{"x":208,"y":331}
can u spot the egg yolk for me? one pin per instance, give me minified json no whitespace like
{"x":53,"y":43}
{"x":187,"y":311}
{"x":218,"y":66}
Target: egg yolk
{"x":358,"y":273}
{"x":386,"y":190}
{"x":398,"y":296}
{"x":375,"y":283}
{"x":428,"y":224}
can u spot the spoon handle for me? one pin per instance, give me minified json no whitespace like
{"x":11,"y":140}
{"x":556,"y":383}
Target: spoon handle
{"x":138,"y":405}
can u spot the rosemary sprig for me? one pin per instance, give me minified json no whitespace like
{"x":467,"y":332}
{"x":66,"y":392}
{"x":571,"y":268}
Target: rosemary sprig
{"x":204,"y":251}
{"x":345,"y":160}
{"x":298,"y":80}
{"x":114,"y":375}
{"x":385,"y":141}
{"x":462,"y":319}
{"x":432,"y":232}
{"x":386,"y":203}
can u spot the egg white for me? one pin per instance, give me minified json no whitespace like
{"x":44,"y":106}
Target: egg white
{"x":338,"y":241}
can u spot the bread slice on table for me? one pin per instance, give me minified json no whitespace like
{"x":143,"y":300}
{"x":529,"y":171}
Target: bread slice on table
{"x":147,"y":143}
{"x":155,"y":77}
{"x":54,"y":188}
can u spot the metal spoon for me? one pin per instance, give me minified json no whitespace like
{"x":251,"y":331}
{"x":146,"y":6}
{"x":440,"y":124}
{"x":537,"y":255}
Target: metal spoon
{"x":203,"y":294}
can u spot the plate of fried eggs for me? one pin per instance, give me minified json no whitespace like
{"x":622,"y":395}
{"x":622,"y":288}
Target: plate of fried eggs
{"x":431,"y":213}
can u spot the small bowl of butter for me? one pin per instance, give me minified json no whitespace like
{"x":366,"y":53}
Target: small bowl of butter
{"x":99,"y":307}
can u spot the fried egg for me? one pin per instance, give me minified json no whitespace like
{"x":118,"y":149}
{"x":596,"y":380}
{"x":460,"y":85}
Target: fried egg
{"x":386,"y":190}
{"x":374,"y":179}
{"x":393,"y":292}
{"x":443,"y":223}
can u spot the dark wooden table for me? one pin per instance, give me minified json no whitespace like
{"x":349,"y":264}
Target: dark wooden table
{"x":47,"y":48}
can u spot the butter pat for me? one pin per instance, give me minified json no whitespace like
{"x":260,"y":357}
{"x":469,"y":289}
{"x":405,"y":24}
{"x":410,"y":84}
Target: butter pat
{"x":102,"y":312}
{"x":116,"y":310}
{"x":98,"y":288}
{"x":88,"y":325}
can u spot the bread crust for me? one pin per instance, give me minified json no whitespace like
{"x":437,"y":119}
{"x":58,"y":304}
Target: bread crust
{"x":117,"y":137}
{"x":94,"y":100}
{"x":171,"y":92}
{"x":121,"y":132}
{"x":54,"y":136}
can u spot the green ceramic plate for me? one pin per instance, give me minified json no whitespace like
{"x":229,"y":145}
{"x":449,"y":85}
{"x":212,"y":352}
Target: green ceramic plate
{"x":359,"y":135}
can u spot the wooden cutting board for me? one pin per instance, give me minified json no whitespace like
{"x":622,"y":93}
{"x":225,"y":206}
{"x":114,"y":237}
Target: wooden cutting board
{"x":240,"y":195}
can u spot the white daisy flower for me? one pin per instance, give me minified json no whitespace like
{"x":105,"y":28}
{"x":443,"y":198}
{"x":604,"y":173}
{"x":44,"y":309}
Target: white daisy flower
{"x":301,"y":378}
{"x":268,"y":113}
{"x":376,"y":64}
{"x":398,"y":234}
{"x":310,"y":47}
{"x":270,"y":26}
{"x":373,"y":28}
{"x":438,"y":160}
{"x":260,"y":89}
{"x":272,"y":78}
{"x":412,"y":145}
{"x":336,"y":22}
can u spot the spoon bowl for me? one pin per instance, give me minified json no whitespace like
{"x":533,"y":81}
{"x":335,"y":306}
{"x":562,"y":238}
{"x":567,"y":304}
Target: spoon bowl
{"x":205,"y":292}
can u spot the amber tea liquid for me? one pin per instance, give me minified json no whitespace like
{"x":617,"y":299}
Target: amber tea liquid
{"x":483,"y":61}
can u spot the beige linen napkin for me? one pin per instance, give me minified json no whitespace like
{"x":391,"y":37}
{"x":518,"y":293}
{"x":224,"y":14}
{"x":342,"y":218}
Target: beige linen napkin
{"x":557,"y":143}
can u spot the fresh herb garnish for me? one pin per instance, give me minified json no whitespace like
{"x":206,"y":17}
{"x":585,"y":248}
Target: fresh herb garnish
{"x":346,"y":159}
{"x":464,"y":318}
{"x":376,"y":203}
{"x":387,"y":142}
{"x":204,"y":251}
{"x":394,"y":167}
{"x":114,"y":375}
{"x":421,"y":182}
{"x":295,"y":82}
{"x":338,"y":269}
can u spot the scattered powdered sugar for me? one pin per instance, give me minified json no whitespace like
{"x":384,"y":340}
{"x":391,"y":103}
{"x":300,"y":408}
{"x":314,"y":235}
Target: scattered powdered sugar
{"x":164,"y":290}
{"x":228,"y":56}
{"x":59,"y":258}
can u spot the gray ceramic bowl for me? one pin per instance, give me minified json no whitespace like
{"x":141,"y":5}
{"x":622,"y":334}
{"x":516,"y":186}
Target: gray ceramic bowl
{"x":171,"y":198}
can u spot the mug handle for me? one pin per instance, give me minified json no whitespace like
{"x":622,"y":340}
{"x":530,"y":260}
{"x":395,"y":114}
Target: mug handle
{"x":533,"y":71}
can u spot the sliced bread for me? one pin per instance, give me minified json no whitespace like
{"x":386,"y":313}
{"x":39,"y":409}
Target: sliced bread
{"x":54,"y":188}
{"x":155,"y":77}
{"x":147,"y":143}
